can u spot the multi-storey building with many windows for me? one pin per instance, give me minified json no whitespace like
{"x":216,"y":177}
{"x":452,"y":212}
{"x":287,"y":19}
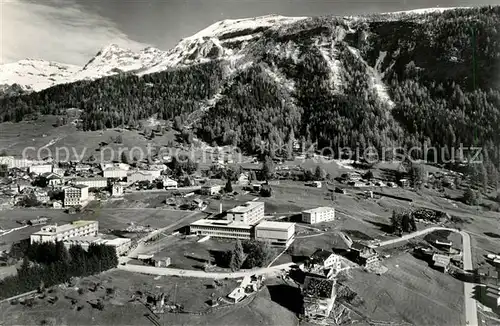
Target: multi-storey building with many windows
{"x":250,"y":213}
{"x":53,"y":233}
{"x":75,"y":195}
{"x":318,"y":215}
{"x":221,"y":229}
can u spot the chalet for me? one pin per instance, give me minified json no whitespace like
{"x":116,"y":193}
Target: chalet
{"x":160,"y":261}
{"x":319,"y":297}
{"x":210,"y":189}
{"x":243,"y":179}
{"x":53,"y":179}
{"x":404,"y":183}
{"x":441,"y":262}
{"x":324,"y":263}
{"x":364,"y":255}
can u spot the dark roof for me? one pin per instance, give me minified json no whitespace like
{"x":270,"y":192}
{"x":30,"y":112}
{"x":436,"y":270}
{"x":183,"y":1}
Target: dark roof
{"x":321,"y":255}
{"x":318,"y":287}
{"x":358,"y":246}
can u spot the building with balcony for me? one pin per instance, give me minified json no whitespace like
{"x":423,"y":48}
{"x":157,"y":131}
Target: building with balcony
{"x":318,"y":215}
{"x":53,"y":233}
{"x":75,"y":195}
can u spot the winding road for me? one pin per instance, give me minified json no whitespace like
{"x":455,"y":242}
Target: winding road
{"x":470,"y":302}
{"x":202,"y":274}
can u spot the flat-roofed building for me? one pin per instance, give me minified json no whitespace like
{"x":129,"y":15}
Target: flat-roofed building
{"x":491,"y":295}
{"x":75,"y":195}
{"x":121,"y":245}
{"x":249,"y":213}
{"x":40,"y":169}
{"x":53,"y":233}
{"x":318,"y":215}
{"x":99,"y":182}
{"x":136,"y":176}
{"x":279,"y":234}
{"x":221,"y":229}
{"x":115,"y":172}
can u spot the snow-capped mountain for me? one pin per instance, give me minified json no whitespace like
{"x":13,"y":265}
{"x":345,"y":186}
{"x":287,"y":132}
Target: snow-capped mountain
{"x":36,"y":75}
{"x":220,"y":40}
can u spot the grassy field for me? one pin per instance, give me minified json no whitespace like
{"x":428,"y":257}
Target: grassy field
{"x":120,"y":310}
{"x":119,"y":218}
{"x":409,"y":292}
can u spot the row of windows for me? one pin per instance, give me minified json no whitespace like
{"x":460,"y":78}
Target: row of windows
{"x":230,"y":230}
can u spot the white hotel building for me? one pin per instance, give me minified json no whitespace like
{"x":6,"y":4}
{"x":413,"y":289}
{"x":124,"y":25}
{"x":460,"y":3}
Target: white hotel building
{"x":318,"y":215}
{"x":249,"y":213}
{"x":53,"y":233}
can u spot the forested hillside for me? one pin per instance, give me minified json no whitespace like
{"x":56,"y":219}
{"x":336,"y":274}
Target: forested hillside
{"x":380,"y":80}
{"x":123,"y":99}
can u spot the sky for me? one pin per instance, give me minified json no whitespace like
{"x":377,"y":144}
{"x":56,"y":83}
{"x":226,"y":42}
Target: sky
{"x":73,"y":31}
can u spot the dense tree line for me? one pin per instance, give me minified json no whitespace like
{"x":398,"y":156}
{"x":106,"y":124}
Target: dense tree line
{"x":51,"y":264}
{"x":122,"y":99}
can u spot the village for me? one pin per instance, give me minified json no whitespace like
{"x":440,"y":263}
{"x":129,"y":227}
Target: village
{"x":301,"y":227}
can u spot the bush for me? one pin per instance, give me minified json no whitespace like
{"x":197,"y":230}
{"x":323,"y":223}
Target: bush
{"x":472,"y":197}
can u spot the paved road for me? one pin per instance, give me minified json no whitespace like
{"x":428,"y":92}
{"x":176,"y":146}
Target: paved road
{"x":414,"y":235}
{"x":470,"y":302}
{"x":202,"y":274}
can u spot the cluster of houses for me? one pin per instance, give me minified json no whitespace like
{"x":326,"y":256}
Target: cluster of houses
{"x":82,"y":233}
{"x":24,"y":178}
{"x":440,"y":255}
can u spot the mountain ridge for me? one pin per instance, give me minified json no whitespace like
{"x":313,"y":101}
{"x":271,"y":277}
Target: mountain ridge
{"x":334,"y":81}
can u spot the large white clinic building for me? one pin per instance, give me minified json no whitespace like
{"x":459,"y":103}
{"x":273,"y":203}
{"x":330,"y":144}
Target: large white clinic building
{"x":244,"y":223}
{"x":53,"y":233}
{"x":318,"y":215}
{"x":249,"y":213}
{"x":278,"y":234}
{"x":222,"y":229}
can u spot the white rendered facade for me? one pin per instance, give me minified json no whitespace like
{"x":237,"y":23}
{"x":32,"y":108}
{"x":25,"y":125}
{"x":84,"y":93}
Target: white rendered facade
{"x":221,"y":229}
{"x":280,"y":234}
{"x":75,"y":195}
{"x":53,"y":233}
{"x":249,"y":213}
{"x":318,"y":215}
